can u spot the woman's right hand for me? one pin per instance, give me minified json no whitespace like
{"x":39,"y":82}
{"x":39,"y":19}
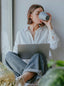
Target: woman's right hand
{"x":47,"y":23}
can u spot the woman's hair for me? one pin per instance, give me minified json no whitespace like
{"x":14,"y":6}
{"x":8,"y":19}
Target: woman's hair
{"x":31,"y":10}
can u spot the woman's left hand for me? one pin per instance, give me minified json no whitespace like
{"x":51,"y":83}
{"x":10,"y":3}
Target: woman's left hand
{"x":48,"y":22}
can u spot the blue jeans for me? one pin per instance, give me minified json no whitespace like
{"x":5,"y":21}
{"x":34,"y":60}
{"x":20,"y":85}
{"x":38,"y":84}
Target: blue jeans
{"x":37,"y":64}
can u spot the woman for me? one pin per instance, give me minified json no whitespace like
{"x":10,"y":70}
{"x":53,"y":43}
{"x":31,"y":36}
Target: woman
{"x":37,"y":32}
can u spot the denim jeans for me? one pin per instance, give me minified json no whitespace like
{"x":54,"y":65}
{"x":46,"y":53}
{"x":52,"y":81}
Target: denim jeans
{"x":37,"y":64}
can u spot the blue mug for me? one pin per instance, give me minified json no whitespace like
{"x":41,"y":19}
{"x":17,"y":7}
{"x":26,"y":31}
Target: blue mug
{"x":44,"y":16}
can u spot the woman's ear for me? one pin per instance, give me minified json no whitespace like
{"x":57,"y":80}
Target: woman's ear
{"x":31,"y":16}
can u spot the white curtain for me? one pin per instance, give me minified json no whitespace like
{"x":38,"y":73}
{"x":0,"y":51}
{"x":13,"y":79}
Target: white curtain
{"x":6,"y":27}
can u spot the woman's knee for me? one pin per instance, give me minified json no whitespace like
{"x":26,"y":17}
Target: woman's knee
{"x":37,"y":55}
{"x":34,"y":56}
{"x":8,"y":55}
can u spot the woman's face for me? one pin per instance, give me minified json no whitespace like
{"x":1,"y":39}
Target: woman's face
{"x":35,"y":15}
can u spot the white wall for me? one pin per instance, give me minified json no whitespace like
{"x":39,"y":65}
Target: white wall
{"x":54,"y":7}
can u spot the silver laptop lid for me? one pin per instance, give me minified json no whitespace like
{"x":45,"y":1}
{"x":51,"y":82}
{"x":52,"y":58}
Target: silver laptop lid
{"x":25,"y":51}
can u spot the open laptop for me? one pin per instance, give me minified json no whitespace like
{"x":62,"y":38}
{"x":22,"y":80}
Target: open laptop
{"x":27,"y":50}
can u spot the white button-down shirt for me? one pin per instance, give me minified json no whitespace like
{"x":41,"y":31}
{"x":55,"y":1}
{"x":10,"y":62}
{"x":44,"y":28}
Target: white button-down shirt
{"x":42,"y":35}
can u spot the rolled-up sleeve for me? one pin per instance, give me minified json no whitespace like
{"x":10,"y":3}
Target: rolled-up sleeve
{"x":53,"y":40}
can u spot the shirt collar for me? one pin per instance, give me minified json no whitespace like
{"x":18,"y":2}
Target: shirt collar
{"x":40,"y":28}
{"x":26,"y":28}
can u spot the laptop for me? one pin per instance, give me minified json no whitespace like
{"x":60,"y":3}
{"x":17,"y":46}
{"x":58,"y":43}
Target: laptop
{"x":25,"y":51}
